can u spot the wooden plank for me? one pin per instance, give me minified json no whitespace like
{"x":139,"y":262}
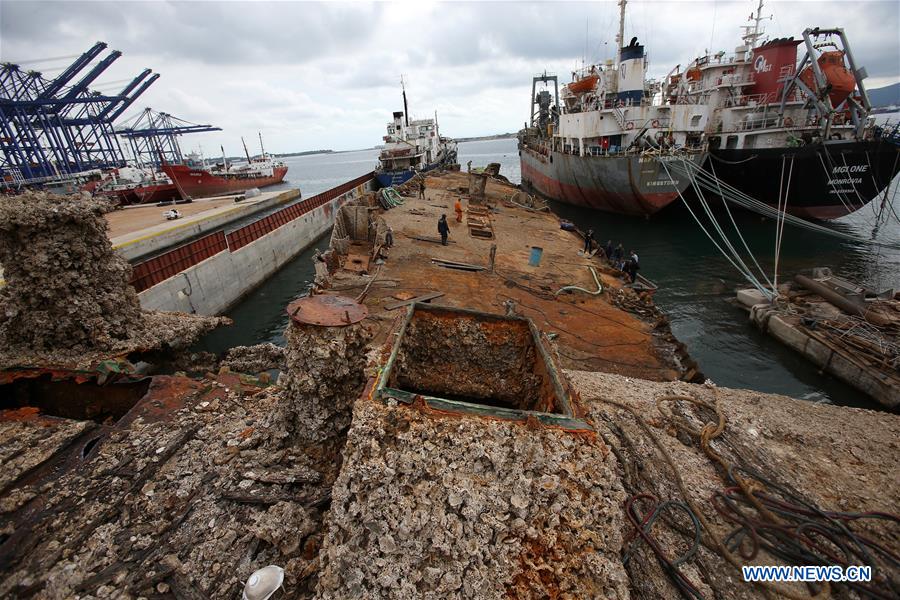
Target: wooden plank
{"x":423,"y":298}
{"x":429,"y":239}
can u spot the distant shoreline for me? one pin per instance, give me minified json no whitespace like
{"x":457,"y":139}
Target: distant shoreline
{"x":308,"y":153}
{"x":496,"y":136}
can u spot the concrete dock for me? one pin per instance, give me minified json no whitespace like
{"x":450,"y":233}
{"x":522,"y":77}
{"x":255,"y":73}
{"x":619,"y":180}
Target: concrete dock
{"x":140,"y":231}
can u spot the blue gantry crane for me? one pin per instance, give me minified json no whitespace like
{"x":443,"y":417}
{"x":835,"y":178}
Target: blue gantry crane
{"x":53,"y":128}
{"x":153,"y":137}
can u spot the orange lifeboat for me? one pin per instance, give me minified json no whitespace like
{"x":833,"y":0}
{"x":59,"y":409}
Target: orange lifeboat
{"x":585,"y":84}
{"x":841,"y":81}
{"x":694,"y":74}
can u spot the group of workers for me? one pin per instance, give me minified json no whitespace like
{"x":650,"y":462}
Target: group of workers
{"x":615,"y":255}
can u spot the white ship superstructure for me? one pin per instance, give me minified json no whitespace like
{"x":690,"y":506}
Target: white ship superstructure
{"x":766,"y":107}
{"x":412,"y":146}
{"x":602,"y":142}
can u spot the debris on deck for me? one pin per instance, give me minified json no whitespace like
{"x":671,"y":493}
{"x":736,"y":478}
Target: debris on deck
{"x":846,"y":330}
{"x":627,"y":333}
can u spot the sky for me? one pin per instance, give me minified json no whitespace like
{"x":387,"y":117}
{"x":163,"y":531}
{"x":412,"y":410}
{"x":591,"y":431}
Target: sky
{"x":311,"y":75}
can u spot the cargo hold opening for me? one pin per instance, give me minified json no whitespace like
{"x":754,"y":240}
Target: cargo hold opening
{"x":68,"y":399}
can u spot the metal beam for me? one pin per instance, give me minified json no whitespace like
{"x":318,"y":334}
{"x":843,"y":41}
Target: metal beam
{"x":131,"y":99}
{"x":73,"y":70}
{"x":88,"y":79}
{"x":125,"y":91}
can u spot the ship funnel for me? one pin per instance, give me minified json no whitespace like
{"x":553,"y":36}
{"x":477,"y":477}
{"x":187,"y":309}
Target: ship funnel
{"x":631,"y":72}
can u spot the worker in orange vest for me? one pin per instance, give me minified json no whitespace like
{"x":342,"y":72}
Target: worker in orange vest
{"x":458,"y":208}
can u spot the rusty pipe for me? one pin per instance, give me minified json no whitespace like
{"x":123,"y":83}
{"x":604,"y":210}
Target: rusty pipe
{"x":839,"y":301}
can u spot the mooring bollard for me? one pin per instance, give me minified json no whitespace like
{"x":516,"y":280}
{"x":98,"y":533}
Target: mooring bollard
{"x":326,"y":358}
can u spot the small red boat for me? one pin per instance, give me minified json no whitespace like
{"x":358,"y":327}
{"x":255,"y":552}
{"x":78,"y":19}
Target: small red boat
{"x":199,"y":183}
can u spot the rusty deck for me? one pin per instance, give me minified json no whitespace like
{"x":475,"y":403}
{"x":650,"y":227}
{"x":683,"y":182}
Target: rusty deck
{"x":592,"y":333}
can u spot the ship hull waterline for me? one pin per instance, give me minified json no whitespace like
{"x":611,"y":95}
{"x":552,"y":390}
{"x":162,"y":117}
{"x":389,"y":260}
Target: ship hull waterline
{"x":198,"y":183}
{"x":827,"y":181}
{"x":631,"y":185}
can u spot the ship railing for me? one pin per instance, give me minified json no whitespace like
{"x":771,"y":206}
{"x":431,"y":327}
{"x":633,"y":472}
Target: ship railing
{"x":732,"y":80}
{"x":757,"y":124}
{"x":751,"y":100}
{"x":18,"y":181}
{"x":719,"y":60}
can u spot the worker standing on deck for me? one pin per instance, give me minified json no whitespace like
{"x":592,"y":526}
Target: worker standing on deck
{"x":422,"y":188}
{"x":458,"y":208}
{"x":608,"y":250}
{"x":588,"y":240}
{"x":443,"y":229}
{"x":618,"y":255}
{"x":635,"y":266}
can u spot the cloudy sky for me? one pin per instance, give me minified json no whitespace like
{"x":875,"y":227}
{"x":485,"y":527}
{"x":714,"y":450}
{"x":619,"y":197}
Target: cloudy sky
{"x":327,"y":75}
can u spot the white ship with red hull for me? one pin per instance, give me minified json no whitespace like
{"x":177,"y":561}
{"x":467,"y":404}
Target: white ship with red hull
{"x":603,"y":143}
{"x":132,"y":185}
{"x":628,"y":185}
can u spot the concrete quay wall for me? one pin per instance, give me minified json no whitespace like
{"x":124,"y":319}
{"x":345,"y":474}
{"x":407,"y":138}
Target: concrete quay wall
{"x":211,"y":274}
{"x":135,"y":247}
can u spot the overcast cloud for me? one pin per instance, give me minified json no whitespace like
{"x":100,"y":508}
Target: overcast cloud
{"x":326,"y":75}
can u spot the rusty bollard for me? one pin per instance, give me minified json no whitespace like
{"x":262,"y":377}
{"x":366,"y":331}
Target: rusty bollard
{"x":326,"y":358}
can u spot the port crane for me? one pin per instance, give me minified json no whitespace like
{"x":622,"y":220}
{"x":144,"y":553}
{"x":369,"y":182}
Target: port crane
{"x":153,"y":137}
{"x":54,"y":128}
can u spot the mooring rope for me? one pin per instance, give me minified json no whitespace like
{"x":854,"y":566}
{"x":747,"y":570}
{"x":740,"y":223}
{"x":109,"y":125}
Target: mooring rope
{"x":744,"y":271}
{"x":707,"y":433}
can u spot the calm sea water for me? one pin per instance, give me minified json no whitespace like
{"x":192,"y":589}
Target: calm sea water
{"x":695,"y":281}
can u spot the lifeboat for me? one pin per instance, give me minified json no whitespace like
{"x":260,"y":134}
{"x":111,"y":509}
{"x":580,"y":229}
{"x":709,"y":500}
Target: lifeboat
{"x":841,"y":82}
{"x":694,"y":74}
{"x":585,"y":84}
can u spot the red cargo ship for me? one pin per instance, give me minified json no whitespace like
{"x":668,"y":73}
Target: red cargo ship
{"x":199,"y":183}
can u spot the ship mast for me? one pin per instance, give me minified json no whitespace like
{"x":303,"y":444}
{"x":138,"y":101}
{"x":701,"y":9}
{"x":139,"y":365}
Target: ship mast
{"x":261,"y":147}
{"x":246,"y":152}
{"x":405,"y":109}
{"x":620,"y":37}
{"x":754,"y":32}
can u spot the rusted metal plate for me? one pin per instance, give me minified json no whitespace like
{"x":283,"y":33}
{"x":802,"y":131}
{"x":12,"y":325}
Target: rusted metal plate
{"x":326,"y":310}
{"x":357,"y":263}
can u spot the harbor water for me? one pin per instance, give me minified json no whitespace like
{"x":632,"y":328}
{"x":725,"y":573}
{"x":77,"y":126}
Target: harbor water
{"x":695,"y":281}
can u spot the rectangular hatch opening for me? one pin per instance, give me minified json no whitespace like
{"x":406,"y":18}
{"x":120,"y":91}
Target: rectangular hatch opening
{"x":458,"y":359}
